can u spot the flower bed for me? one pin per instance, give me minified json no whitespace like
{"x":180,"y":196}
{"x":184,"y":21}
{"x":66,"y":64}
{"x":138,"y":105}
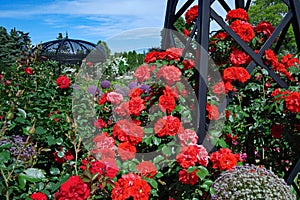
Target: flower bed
{"x":79,"y":136}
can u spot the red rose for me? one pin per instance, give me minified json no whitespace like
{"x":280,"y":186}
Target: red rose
{"x":279,"y":94}
{"x":292,"y":102}
{"x":146,"y":169}
{"x":104,"y":141}
{"x":100,"y":123}
{"x":188,"y":137}
{"x":126,"y":130}
{"x":238,"y":13}
{"x":63,"y":82}
{"x":114,"y":97}
{"x":66,"y":156}
{"x":227,"y":161}
{"x":126,"y":151}
{"x":135,"y":92}
{"x":103,"y":99}
{"x":219,"y":88}
{"x":150,"y":57}
{"x":192,"y":155}
{"x":174,"y":53}
{"x":264,"y":27}
{"x":271,"y":56}
{"x":276,"y":131}
{"x":28,"y":70}
{"x":224,"y":159}
{"x":131,"y":185}
{"x":38,"y":196}
{"x":123,"y":109}
{"x":213,"y":112}
{"x":73,"y":189}
{"x":188,"y":64}
{"x":243,"y":29}
{"x":186,"y":177}
{"x":167,"y":126}
{"x":238,"y":57}
{"x":136,"y":105}
{"x":142,"y":73}
{"x":167,"y":102}
{"x":169,"y":73}
{"x":191,"y":15}
{"x":236,"y":73}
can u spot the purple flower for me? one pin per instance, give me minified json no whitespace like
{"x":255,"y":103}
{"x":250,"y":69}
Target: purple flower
{"x":105,"y":84}
{"x":133,"y":85}
{"x":94,"y":90}
{"x":145,"y":88}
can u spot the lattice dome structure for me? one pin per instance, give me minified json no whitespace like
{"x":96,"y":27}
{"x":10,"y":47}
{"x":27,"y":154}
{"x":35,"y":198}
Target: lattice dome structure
{"x":71,"y":51}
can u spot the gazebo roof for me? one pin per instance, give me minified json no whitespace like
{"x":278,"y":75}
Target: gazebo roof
{"x":71,"y":51}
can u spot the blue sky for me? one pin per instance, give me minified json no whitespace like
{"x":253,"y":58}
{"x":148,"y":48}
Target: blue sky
{"x":90,"y":20}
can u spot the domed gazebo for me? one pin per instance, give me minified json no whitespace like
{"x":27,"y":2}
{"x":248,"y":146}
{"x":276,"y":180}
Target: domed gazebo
{"x":71,"y":51}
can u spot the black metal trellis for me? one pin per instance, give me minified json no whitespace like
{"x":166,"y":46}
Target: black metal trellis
{"x":205,"y":13}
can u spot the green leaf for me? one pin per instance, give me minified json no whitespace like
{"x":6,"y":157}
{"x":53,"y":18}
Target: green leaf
{"x":33,"y":175}
{"x":40,"y":130}
{"x":148,"y":130}
{"x":167,"y":150}
{"x":157,"y":159}
{"x":202,"y":172}
{"x":54,"y":171}
{"x":22,"y":112}
{"x":22,"y":181}
{"x":4,"y":157}
{"x":152,"y":182}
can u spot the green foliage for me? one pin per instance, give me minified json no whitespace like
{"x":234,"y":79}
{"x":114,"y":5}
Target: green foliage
{"x":272,"y":12}
{"x":12,"y":44}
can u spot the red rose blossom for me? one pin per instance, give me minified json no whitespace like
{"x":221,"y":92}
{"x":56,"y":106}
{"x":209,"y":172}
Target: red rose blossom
{"x":192,"y":155}
{"x":238,"y":13}
{"x":131,"y":185}
{"x":123,"y":109}
{"x":126,"y":130}
{"x":188,"y":64}
{"x":28,"y":70}
{"x":292,"y":102}
{"x":238,"y":57}
{"x":142,"y":73}
{"x":243,"y":29}
{"x":126,"y":151}
{"x":168,"y":126}
{"x":114,"y":97}
{"x":135,"y":92}
{"x":213,"y":112}
{"x":191,"y":15}
{"x":100,"y":123}
{"x":146,"y":169}
{"x":189,"y":178}
{"x":136,"y":105}
{"x":63,"y":82}
{"x":219,"y":88}
{"x":38,"y":196}
{"x":73,"y":189}
{"x":224,"y":159}
{"x":264,"y":27}
{"x":166,"y":102}
{"x":236,"y":73}
{"x":169,"y":73}
{"x":188,"y":137}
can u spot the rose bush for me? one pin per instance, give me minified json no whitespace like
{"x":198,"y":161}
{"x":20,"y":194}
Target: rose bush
{"x":74,"y":136}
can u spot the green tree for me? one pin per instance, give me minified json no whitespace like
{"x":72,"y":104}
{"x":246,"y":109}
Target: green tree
{"x":12,"y":44}
{"x":105,"y":47}
{"x":272,"y":11}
